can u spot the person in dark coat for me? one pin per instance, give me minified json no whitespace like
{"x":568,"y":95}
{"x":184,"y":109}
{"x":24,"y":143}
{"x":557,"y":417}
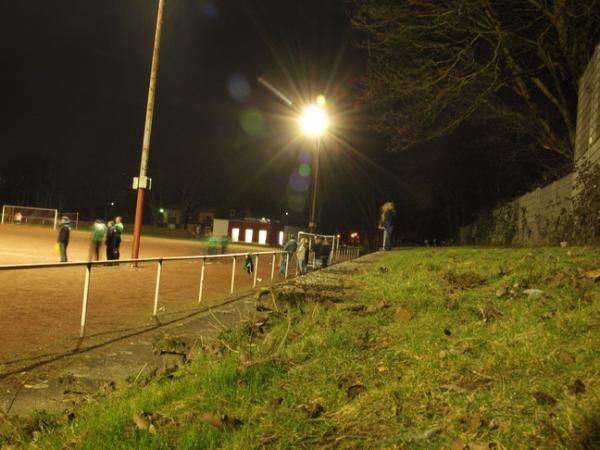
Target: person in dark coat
{"x":118,"y":226}
{"x":325,"y":253}
{"x":388,"y":216}
{"x":63,"y":238}
{"x":290,"y":248}
{"x":111,"y":240}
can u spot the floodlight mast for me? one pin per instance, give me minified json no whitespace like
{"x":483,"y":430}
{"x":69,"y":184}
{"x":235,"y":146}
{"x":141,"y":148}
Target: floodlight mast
{"x":314,"y":123}
{"x":142,"y":182}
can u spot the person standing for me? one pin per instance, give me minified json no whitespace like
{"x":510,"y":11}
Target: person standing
{"x":318,"y":253}
{"x":98,"y":232}
{"x":63,"y":237}
{"x":290,"y":248}
{"x":325,"y":253}
{"x":111,"y":235}
{"x":302,"y":256}
{"x":118,"y":226}
{"x":388,"y":216}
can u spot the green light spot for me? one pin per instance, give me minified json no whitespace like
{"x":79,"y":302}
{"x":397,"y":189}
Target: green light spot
{"x":252,"y":121}
{"x":305,"y":170}
{"x":296,"y":202}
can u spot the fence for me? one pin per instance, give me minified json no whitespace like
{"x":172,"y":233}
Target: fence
{"x":343,"y":255}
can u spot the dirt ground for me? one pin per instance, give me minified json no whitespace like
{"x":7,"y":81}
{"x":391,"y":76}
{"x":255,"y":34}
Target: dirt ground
{"x":40,"y":309}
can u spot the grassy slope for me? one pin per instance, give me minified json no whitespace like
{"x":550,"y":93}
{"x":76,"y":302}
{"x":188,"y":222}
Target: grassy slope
{"x":463,"y":369}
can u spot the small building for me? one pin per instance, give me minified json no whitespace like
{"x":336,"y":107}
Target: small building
{"x":250,"y":230}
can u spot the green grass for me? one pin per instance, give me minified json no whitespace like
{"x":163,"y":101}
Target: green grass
{"x":464,"y":369}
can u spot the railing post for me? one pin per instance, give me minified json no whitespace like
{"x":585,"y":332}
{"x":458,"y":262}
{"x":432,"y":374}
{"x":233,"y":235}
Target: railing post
{"x":233,"y":275}
{"x":86,"y":291}
{"x":273,"y":268}
{"x":201,"y":280}
{"x":255,"y":272}
{"x":157,"y":290}
{"x":287,"y":264}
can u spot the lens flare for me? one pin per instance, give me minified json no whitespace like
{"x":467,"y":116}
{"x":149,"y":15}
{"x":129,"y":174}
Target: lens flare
{"x":314,"y":120}
{"x":239,"y":88}
{"x":305,"y":170}
{"x":299,"y":183}
{"x":305,"y":158}
{"x":252,"y":121}
{"x":296,"y":202}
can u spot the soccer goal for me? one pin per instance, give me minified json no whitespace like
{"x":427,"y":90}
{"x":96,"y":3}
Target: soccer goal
{"x":29,"y":215}
{"x":73,"y":217}
{"x":322,"y":248}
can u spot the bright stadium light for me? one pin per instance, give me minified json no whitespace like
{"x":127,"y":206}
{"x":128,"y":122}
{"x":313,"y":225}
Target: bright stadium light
{"x":314,"y":120}
{"x":314,"y":123}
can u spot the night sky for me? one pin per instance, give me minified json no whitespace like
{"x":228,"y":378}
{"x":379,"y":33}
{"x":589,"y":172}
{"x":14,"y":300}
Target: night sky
{"x":75,"y":78}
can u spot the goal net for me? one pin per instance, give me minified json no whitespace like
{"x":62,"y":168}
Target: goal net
{"x":29,"y":215}
{"x":73,"y":218}
{"x":322,"y":248}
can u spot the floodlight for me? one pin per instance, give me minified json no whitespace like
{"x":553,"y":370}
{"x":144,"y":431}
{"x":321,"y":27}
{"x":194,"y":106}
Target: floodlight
{"x":314,"y":120}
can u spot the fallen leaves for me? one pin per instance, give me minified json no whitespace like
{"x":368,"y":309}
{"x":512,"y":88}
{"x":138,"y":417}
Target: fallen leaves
{"x":352,"y":307}
{"x":489,"y":313}
{"x":221,"y":422}
{"x":533,"y":294}
{"x":355,"y":390}
{"x":316,"y":409}
{"x":378,"y":307}
{"x":402,"y":314}
{"x":593,"y":275}
{"x":576,"y":388}
{"x":543,"y":398}
{"x":564,"y":357}
{"x":465,"y":280}
{"x":152,"y":422}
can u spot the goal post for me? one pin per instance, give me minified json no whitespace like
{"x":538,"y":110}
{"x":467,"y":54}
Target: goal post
{"x":29,"y":215}
{"x":328,"y":241}
{"x":73,"y":218}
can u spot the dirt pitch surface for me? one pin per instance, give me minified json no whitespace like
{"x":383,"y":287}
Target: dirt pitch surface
{"x":40,"y":309}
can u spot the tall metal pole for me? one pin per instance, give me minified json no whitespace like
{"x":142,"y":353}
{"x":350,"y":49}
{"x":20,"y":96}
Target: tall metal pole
{"x":143,"y":183}
{"x":312,"y":224}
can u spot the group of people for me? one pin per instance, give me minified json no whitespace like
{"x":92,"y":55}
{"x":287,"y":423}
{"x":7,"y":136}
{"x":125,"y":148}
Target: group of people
{"x":302,"y":250}
{"x":110,"y":233}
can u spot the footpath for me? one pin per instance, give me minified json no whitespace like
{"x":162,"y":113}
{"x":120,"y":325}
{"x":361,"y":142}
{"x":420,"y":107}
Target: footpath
{"x":60,"y":384}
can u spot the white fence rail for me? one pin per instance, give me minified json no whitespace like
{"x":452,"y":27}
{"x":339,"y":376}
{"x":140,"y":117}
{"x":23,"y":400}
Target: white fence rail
{"x":343,"y":254}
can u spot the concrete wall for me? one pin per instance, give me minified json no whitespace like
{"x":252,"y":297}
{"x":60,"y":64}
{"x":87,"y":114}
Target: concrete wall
{"x":532,"y":219}
{"x":587,"y":142}
{"x":539,"y":217}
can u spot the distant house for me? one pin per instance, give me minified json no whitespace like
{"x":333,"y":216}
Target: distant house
{"x":169,"y":217}
{"x":204,"y":222}
{"x":250,"y":230}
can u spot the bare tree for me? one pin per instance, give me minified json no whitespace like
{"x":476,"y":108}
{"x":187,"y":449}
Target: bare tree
{"x":513,"y":65}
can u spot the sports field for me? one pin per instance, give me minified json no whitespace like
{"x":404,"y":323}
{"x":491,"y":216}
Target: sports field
{"x":40,"y":309}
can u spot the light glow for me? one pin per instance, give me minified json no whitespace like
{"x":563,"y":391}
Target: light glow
{"x":314,"y":121}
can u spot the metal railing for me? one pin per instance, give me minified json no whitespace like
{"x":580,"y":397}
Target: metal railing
{"x":343,"y":254}
{"x":89,"y":264}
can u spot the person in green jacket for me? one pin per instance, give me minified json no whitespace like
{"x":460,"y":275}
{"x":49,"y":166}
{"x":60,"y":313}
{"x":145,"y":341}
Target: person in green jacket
{"x":98,"y":232}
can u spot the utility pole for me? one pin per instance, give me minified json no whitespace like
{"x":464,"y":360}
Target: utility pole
{"x":142,"y":182}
